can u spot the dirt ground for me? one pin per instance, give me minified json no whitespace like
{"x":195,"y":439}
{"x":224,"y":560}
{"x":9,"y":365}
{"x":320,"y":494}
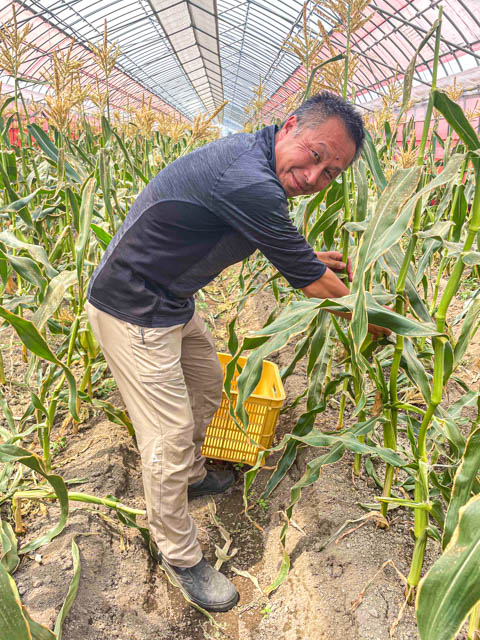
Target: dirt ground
{"x":123,"y":594}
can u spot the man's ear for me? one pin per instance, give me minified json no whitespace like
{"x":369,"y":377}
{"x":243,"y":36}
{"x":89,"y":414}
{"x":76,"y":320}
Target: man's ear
{"x":289,"y":126}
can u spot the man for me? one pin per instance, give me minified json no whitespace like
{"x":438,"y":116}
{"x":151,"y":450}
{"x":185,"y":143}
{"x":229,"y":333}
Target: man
{"x":202,"y":213}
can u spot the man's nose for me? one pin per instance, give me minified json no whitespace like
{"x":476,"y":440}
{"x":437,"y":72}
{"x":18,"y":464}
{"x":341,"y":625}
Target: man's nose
{"x":316,"y":178}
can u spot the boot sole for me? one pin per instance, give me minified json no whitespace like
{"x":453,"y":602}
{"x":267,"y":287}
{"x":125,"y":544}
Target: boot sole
{"x":216,"y":608}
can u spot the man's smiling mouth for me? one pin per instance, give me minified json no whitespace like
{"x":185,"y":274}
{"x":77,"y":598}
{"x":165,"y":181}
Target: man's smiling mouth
{"x":296,"y":183}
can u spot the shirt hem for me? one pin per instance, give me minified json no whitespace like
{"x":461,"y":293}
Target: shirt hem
{"x":141,"y":322}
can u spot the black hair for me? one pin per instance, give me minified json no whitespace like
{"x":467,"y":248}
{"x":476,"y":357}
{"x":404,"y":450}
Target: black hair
{"x":314,"y":111}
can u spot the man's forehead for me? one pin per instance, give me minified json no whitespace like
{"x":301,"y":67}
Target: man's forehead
{"x":327,"y":128}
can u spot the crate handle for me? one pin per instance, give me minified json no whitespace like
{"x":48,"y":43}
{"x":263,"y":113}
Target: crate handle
{"x":275,"y":390}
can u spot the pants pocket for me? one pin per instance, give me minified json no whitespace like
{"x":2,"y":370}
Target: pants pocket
{"x":156,"y":352}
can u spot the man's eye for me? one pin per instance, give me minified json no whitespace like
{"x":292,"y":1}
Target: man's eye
{"x":315,"y":155}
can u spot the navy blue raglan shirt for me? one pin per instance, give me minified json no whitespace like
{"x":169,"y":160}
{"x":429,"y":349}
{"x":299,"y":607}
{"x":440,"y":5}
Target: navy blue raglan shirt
{"x":202,"y":213}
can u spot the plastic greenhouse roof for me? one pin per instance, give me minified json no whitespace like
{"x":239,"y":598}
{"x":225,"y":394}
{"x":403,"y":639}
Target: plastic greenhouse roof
{"x":191,"y":55}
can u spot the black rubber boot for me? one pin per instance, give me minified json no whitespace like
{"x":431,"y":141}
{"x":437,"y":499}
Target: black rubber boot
{"x":203,"y":585}
{"x":214,"y":482}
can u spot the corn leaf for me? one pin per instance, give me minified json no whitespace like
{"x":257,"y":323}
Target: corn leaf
{"x":415,"y":370}
{"x":282,"y":574}
{"x":303,"y":426}
{"x":469,"y":327}
{"x":252,"y":371}
{"x":86,"y":212}
{"x":310,"y":476}
{"x":471,"y":258}
{"x":9,"y":547}
{"x":12,"y":620}
{"x":369,"y":154}
{"x":38,"y":631}
{"x":462,"y":484}
{"x":382,"y":316}
{"x":13,"y":197}
{"x":336,"y":58}
{"x":6,"y":103}
{"x":451,"y":588}
{"x":26,"y":269}
{"x":318,"y":341}
{"x":377,"y":238}
{"x":294,"y":314}
{"x":10,"y":192}
{"x":29,"y":335}
{"x":468,"y":399}
{"x":105,"y":181}
{"x":36,"y":251}
{"x":361,"y":206}
{"x":301,"y":350}
{"x":103,"y":236}
{"x":53,"y":297}
{"x":50,"y":150}
{"x":319,"y":439}
{"x":72,"y":591}
{"x":291,"y":318}
{"x":7,"y":414}
{"x":329,"y":216}
{"x":389,"y":235}
{"x":18,"y":205}
{"x":408,"y":78}
{"x":11,"y":453}
{"x":34,"y":341}
{"x":307,"y":207}
{"x":128,"y":158}
{"x":455,"y":117}
{"x":118,"y":416}
{"x":439,"y":230}
{"x":392,"y":261}
{"x":430,"y":246}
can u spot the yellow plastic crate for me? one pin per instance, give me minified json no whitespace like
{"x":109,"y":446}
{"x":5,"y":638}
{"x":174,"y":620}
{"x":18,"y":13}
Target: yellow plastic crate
{"x":224,"y":441}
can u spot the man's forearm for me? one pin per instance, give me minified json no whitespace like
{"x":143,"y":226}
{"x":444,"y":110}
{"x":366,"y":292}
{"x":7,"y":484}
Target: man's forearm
{"x":328,"y":286}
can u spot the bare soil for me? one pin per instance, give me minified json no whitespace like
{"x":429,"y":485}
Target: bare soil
{"x":123,"y":593}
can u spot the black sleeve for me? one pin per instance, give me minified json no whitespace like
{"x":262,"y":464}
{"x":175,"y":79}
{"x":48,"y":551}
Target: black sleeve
{"x":252,"y":200}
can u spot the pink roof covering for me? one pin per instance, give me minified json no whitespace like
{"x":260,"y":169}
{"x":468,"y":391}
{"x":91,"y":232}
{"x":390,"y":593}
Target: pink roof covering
{"x":45,"y":38}
{"x":388,"y":41}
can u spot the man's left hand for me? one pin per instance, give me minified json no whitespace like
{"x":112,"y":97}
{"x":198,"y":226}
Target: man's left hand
{"x":333,"y":260}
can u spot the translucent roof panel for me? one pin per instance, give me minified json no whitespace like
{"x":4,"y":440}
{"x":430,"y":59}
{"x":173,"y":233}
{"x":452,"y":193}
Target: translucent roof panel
{"x":192,"y":31}
{"x":191,"y":55}
{"x":386,"y":44}
{"x":146,"y":63}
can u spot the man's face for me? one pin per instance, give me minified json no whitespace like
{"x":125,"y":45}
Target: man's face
{"x":308,"y":161}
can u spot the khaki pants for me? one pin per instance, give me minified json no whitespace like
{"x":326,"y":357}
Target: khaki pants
{"x":171,"y":383}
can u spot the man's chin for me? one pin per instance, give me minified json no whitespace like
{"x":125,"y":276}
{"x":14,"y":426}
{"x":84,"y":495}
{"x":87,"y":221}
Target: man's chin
{"x":291,"y":192}
{"x":295,"y":193}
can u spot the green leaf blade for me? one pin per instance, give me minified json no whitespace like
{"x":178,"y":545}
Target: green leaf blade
{"x":451,"y":588}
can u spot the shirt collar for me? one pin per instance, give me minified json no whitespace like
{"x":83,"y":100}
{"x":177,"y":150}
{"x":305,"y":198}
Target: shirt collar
{"x":266,"y":138}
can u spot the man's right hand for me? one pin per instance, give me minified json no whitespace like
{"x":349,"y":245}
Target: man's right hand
{"x":378,"y":332}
